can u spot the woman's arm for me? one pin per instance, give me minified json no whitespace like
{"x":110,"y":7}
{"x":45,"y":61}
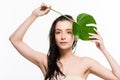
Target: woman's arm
{"x":114,"y":65}
{"x":17,"y":38}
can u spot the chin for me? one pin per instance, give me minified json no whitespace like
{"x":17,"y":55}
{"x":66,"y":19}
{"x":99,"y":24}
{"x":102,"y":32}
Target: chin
{"x":64,"y":47}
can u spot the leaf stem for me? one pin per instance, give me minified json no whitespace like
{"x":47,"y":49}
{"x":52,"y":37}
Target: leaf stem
{"x":61,"y":14}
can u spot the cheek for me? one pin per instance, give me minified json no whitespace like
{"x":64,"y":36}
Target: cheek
{"x":71,"y":37}
{"x":57,"y":38}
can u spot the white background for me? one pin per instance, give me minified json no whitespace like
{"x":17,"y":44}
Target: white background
{"x":13,"y":12}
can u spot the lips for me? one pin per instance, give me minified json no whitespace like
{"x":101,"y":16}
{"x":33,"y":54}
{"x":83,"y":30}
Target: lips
{"x":63,"y":43}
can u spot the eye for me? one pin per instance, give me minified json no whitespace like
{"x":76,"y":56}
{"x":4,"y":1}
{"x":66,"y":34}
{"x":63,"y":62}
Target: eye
{"x":69,"y":32}
{"x":57,"y":32}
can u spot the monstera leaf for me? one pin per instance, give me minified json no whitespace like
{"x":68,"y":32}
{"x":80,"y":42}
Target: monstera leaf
{"x":80,"y":28}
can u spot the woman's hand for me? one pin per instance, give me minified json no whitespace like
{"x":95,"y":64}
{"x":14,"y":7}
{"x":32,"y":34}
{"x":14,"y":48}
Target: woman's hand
{"x":40,"y":11}
{"x":114,"y":65}
{"x":97,"y":39}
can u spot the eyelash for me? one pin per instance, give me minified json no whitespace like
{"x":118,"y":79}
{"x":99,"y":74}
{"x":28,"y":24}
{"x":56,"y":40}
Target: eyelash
{"x":57,"y":32}
{"x":69,"y":32}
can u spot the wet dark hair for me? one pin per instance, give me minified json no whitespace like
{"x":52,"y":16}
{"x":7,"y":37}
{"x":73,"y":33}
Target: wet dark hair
{"x":53,"y":54}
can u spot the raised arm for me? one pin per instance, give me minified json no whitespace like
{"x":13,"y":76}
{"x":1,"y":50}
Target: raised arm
{"x":16,"y":38}
{"x":115,"y":73}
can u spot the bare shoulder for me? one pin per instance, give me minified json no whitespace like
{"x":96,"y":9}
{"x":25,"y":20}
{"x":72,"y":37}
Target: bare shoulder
{"x":88,"y":60}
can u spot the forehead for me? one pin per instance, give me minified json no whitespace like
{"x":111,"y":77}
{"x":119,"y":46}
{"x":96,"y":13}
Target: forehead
{"x":64,"y":25}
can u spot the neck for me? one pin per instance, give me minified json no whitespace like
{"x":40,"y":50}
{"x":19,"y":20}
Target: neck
{"x":66,"y":53}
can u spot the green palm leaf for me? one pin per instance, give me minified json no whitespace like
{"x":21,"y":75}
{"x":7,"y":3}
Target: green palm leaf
{"x":80,"y":28}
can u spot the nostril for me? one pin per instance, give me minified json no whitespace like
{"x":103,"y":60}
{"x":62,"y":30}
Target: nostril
{"x":63,"y":38}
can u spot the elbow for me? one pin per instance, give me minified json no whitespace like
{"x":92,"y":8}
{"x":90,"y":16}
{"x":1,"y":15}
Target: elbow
{"x":14,"y":40}
{"x":10,"y":39}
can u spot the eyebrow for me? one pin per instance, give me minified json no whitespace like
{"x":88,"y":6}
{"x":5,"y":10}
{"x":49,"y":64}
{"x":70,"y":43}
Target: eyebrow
{"x":61,"y":30}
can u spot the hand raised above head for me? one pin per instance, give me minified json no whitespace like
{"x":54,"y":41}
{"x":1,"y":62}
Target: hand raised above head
{"x":42,"y":10}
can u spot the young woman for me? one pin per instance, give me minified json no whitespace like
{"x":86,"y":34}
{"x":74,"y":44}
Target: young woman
{"x":58,"y":63}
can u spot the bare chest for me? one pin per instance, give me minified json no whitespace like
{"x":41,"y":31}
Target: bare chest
{"x":74,"y":68}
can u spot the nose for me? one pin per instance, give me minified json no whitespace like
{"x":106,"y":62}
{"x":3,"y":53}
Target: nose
{"x":63,"y":37}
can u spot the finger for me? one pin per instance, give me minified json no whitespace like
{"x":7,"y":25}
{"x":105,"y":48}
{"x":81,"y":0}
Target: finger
{"x":96,"y":31}
{"x":93,"y":33}
{"x":43,"y":6}
{"x":47,"y":10}
{"x":93,"y":36}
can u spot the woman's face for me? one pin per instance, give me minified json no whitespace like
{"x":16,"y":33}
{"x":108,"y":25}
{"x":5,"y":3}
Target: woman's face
{"x":63,"y":35}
